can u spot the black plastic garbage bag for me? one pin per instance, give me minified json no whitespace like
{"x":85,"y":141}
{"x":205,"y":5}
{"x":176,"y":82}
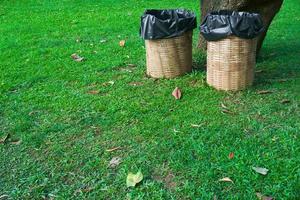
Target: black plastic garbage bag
{"x":221,"y":24}
{"x":161,"y":24}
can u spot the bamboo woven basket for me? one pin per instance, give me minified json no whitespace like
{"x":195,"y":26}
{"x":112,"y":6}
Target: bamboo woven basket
{"x":230,"y":63}
{"x":169,"y":58}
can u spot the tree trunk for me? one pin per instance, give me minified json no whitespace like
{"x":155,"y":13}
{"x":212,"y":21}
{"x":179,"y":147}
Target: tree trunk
{"x":267,"y":8}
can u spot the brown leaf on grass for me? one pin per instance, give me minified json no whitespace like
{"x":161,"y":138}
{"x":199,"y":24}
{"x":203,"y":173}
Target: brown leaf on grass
{"x":261,"y":170}
{"x":77,"y":58}
{"x":93,"y":92}
{"x":135,"y":84}
{"x":3,"y":140}
{"x":226,"y":179}
{"x":264,"y":92}
{"x":231,"y":155}
{"x":263,"y":197}
{"x":122,"y":43}
{"x":177,"y":93}
{"x":285,"y":101}
{"x":113,"y":149}
{"x":114,"y":162}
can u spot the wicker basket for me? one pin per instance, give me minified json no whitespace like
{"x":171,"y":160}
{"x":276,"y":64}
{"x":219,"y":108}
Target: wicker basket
{"x":169,"y":58}
{"x":231,"y":63}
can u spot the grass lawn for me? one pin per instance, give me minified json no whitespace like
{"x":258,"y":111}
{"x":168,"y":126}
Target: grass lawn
{"x":67,"y":114}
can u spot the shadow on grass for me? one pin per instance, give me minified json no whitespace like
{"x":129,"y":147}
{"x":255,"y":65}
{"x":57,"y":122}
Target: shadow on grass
{"x":278,"y":63}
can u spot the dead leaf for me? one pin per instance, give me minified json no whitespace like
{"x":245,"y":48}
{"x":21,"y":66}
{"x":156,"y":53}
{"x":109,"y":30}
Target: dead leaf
{"x":285,"y":101}
{"x":264,"y":92}
{"x":122,"y":43}
{"x":136,"y":84}
{"x":3,"y":140}
{"x":115,"y":161}
{"x":93,"y":92}
{"x":133,"y":179}
{"x":77,"y":58}
{"x":113,"y":149}
{"x":226,"y":179}
{"x":262,"y":197}
{"x":231,"y":155}
{"x":177,"y":93}
{"x":261,"y":170}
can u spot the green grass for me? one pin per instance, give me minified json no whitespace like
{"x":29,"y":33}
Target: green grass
{"x":65,"y":131}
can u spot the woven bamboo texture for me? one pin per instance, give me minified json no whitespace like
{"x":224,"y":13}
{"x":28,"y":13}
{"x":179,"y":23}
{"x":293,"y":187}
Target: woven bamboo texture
{"x":231,"y":63}
{"x":169,"y":58}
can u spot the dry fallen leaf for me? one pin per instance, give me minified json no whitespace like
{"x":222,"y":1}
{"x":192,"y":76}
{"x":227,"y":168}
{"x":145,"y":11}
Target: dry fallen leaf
{"x":262,"y":197}
{"x":77,"y":58}
{"x":93,"y":92}
{"x":264,"y":92}
{"x":231,"y":155}
{"x":115,"y":161}
{"x":113,"y":149}
{"x":133,"y":179}
{"x":177,"y":93}
{"x":122,"y":43}
{"x":285,"y":101}
{"x":226,"y":179}
{"x":261,"y":170}
{"x":3,"y":140}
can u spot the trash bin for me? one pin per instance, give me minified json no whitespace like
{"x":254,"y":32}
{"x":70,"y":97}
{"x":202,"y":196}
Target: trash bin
{"x":231,"y":48}
{"x":168,"y":41}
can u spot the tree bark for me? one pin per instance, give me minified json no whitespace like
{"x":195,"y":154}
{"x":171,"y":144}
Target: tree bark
{"x":267,"y":8}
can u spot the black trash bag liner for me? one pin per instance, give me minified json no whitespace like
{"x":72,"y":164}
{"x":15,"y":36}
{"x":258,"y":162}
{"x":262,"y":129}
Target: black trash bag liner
{"x":221,"y":24}
{"x":162,"y":24}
